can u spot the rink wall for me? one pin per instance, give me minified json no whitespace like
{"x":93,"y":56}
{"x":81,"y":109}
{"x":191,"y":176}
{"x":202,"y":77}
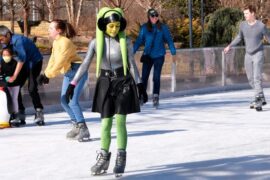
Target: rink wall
{"x":202,"y":70}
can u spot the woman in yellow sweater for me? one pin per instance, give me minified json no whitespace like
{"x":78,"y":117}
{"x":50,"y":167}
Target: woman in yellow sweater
{"x":65,"y":60}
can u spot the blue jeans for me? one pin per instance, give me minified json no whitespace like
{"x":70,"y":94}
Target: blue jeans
{"x":146,"y":69}
{"x":73,"y":108}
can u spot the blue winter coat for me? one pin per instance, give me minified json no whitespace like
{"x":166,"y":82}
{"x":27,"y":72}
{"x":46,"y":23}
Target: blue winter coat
{"x":162,"y":36}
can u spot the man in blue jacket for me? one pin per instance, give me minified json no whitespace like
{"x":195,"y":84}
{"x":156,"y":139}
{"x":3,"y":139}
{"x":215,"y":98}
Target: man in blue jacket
{"x":29,"y":56}
{"x":153,"y":35}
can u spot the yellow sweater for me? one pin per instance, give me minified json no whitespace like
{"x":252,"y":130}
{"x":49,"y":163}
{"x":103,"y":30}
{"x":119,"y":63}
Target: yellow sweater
{"x":63,"y":54}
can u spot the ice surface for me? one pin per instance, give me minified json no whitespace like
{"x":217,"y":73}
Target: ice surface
{"x":211,"y":136}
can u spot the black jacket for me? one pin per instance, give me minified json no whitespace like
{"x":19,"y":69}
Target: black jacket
{"x":7,"y":69}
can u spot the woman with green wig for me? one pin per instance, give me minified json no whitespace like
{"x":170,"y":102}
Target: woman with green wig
{"x":119,"y":88}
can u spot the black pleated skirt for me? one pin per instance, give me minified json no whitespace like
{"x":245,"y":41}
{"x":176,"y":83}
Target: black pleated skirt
{"x":115,"y":94}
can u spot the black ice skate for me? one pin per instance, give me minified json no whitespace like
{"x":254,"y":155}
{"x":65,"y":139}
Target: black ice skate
{"x":253,"y":103}
{"x":39,"y":117}
{"x":263,"y":99}
{"x":14,"y":120}
{"x":102,"y":165}
{"x":155,"y":101}
{"x":258,"y":102}
{"x":21,"y":115}
{"x":120,"y":163}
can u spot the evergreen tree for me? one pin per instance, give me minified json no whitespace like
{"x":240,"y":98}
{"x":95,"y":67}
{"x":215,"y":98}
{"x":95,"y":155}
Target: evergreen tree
{"x":209,"y":6}
{"x":221,"y":27}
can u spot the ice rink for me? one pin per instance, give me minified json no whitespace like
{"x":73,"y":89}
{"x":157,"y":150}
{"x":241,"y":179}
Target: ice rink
{"x":199,"y":137}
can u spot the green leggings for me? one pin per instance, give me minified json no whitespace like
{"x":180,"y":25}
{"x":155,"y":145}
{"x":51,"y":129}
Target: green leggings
{"x":121,"y":130}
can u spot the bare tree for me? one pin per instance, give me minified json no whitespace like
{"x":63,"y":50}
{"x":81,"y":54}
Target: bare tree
{"x":26,"y":8}
{"x":12,"y":13}
{"x":147,"y":4}
{"x":51,"y":4}
{"x":232,"y":3}
{"x":1,"y":10}
{"x":9,"y":5}
{"x":74,"y":11}
{"x":123,"y":4}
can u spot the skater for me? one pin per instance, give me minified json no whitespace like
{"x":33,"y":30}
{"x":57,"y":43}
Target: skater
{"x":252,"y":32}
{"x":8,"y":67}
{"x":29,"y":56}
{"x":65,"y":60}
{"x":116,"y":91}
{"x":153,"y":35}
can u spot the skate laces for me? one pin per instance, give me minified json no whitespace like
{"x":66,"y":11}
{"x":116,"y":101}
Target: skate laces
{"x":120,"y":159}
{"x":100,"y":158}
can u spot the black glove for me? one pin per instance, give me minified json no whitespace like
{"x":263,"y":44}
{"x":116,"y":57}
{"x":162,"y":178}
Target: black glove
{"x":69,"y":92}
{"x":142,"y":93}
{"x":42,"y":79}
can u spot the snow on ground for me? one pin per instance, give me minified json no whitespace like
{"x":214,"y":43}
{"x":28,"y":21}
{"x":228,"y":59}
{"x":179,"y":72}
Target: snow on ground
{"x":211,"y":136}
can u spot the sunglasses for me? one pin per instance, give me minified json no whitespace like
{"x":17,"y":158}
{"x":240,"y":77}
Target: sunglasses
{"x":154,"y":15}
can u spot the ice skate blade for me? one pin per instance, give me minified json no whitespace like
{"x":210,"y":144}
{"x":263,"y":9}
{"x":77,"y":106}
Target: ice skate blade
{"x":254,"y":106}
{"x":84,"y":139}
{"x":40,"y":123}
{"x":117,"y":175}
{"x":15,"y":125}
{"x":98,"y":174}
{"x":258,"y":108}
{"x":72,"y":138}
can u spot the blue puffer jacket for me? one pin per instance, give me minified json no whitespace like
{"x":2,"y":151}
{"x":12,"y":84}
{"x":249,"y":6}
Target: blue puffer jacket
{"x":162,"y":36}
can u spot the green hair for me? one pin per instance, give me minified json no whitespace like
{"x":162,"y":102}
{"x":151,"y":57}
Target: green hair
{"x":105,"y":12}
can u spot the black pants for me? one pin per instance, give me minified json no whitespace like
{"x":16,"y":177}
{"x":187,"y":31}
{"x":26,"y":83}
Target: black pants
{"x":31,"y":76}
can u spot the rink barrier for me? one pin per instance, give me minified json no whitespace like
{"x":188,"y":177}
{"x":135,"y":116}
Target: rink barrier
{"x":196,"y":71}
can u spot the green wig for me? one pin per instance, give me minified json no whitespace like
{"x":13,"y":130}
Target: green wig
{"x":103,"y":13}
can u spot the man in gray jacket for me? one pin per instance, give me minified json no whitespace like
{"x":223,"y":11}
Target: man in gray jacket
{"x":252,"y":31}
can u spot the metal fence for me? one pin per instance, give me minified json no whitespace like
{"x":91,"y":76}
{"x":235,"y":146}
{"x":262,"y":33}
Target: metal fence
{"x":196,"y":70}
